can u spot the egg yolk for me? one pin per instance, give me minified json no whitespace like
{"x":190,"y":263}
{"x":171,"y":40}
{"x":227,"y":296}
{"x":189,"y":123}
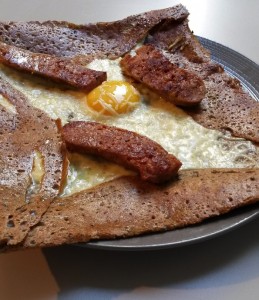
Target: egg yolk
{"x":113,"y":98}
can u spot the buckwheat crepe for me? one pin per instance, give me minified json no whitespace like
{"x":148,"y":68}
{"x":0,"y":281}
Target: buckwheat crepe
{"x":38,"y":211}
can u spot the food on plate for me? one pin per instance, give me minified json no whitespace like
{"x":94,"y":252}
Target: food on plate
{"x":150,"y":67}
{"x":113,"y":97}
{"x":227,"y":106}
{"x":233,"y":109}
{"x":51,"y":195}
{"x":49,"y":66}
{"x":32,"y":165}
{"x":124,"y":147}
{"x":128,"y":207}
{"x":83,"y":43}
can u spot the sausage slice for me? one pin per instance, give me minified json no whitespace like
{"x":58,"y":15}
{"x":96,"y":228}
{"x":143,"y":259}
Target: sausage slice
{"x":134,"y":151}
{"x":150,"y":67}
{"x":52,"y":67}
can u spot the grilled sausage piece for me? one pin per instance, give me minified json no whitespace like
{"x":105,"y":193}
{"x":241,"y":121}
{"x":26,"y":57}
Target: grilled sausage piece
{"x":52,"y":67}
{"x":150,"y":67}
{"x":134,"y":151}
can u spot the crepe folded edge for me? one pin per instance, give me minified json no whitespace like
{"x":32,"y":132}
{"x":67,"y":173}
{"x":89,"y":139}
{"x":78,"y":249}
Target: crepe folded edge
{"x":33,"y":164}
{"x":126,"y":207}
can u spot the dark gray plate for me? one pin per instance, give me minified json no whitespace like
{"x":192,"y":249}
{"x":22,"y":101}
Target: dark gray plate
{"x":248,"y":73}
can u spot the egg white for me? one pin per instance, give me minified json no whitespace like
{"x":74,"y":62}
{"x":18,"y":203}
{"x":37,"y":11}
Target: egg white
{"x":171,"y":127}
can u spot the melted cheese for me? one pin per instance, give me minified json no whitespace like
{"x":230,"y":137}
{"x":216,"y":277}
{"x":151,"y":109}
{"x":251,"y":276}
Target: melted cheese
{"x":7,"y":105}
{"x":36,"y":175}
{"x":86,"y":171}
{"x":37,"y":172}
{"x":194,"y":145}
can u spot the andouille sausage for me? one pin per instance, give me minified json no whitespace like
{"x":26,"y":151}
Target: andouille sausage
{"x":52,"y":67}
{"x":150,"y":67}
{"x":133,"y":151}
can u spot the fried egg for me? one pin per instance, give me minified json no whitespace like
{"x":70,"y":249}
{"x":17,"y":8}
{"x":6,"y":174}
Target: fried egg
{"x":113,"y":98}
{"x":116,"y":102}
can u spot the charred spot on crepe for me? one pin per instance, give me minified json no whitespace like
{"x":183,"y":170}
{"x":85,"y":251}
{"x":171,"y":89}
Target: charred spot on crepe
{"x":138,"y":207}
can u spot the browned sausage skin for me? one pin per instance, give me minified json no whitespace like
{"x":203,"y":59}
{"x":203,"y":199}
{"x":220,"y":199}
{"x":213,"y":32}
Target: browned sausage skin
{"x":150,"y":67}
{"x":55,"y":68}
{"x":134,"y":151}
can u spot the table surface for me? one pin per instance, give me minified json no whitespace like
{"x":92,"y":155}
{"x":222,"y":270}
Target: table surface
{"x":226,"y":267}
